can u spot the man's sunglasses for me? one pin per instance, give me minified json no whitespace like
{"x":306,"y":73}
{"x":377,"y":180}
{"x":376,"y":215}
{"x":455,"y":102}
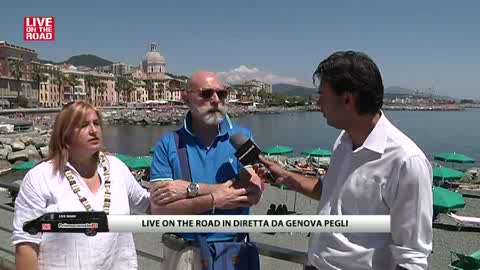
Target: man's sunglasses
{"x":208,"y":93}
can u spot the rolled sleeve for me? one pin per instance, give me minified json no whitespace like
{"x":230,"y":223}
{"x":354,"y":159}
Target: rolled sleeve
{"x":161,"y":168}
{"x":411,"y":214}
{"x":30,"y":203}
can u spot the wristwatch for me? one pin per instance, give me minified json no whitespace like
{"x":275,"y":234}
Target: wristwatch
{"x":192,"y":190}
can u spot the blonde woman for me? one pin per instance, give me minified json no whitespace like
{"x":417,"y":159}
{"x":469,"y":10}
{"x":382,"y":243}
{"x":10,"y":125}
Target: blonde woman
{"x":77,"y":176}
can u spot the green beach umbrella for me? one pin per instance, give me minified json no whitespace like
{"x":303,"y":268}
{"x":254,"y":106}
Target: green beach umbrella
{"x":25,"y":165}
{"x":453,"y":157}
{"x":123,"y":157}
{"x":280,"y":186}
{"x":318,"y":153}
{"x":445,"y":200}
{"x":444,"y":173}
{"x":277,"y":150}
{"x":152,"y":149}
{"x":138,"y":163}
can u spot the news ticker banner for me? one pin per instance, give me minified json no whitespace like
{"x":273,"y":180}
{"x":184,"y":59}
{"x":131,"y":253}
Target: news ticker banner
{"x":248,"y":223}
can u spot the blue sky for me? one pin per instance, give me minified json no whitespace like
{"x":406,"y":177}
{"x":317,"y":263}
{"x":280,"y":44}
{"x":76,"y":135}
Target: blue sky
{"x":416,"y":44}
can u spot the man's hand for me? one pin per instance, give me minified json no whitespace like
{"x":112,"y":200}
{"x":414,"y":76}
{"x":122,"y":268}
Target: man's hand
{"x":228,"y":197}
{"x":281,"y":175}
{"x":249,"y":179}
{"x":165,"y":192}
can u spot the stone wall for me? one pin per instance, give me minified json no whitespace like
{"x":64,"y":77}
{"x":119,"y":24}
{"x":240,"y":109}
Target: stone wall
{"x":18,"y":148}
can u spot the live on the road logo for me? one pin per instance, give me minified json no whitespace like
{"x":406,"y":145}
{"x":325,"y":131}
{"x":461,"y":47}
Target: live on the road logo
{"x":39,"y":28}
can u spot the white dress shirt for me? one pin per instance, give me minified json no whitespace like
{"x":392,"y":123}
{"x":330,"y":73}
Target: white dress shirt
{"x":42,"y":191}
{"x":387,"y":175}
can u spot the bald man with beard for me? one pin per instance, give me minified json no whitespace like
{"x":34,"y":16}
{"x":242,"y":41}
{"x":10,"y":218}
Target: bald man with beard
{"x":211,"y":181}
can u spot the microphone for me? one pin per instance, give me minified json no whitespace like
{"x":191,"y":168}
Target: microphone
{"x":247,"y":152}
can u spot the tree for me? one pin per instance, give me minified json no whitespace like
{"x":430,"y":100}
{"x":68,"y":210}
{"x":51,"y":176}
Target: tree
{"x":22,"y":101}
{"x":39,"y":77}
{"x":17,"y":70}
{"x":263,"y":95}
{"x":101,"y":89}
{"x":149,"y":87}
{"x":60,"y":80}
{"x":123,"y":87}
{"x":90,"y":81}
{"x":72,"y":81}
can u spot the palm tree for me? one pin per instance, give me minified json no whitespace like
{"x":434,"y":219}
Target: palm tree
{"x":72,"y":81}
{"x":129,"y":88}
{"x":90,"y":81}
{"x":101,"y":89}
{"x":17,"y":70}
{"x":121,"y":87}
{"x":60,"y":80}
{"x":263,"y":95}
{"x":149,"y":87}
{"x":39,"y":76}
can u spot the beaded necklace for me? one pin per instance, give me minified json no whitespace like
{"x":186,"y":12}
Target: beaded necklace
{"x":76,"y":188}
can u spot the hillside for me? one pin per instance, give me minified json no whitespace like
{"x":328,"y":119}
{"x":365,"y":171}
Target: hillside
{"x":395,"y":90}
{"x":293,"y":90}
{"x":88,"y":60}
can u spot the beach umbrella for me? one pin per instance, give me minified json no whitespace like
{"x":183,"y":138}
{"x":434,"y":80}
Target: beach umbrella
{"x":152,"y":149}
{"x":318,"y":153}
{"x":138,"y":163}
{"x":280,"y":186}
{"x":453,"y":157}
{"x":444,"y":173}
{"x":445,"y":200}
{"x":25,"y":165}
{"x":277,"y":150}
{"x":122,"y":157}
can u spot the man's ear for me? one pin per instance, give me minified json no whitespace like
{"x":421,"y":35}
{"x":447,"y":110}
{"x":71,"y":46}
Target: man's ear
{"x":349,"y":101}
{"x":184,"y":97}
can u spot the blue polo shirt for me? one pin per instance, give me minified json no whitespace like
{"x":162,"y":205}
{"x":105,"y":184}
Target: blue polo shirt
{"x":212,"y":166}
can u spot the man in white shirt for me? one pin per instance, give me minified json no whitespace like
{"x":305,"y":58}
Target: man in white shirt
{"x":375,"y":169}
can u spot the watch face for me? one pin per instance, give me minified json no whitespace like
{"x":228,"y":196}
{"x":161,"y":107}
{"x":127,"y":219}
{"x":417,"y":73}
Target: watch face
{"x":193,"y":188}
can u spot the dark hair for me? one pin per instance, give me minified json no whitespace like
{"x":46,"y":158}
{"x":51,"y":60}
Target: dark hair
{"x":355,"y":73}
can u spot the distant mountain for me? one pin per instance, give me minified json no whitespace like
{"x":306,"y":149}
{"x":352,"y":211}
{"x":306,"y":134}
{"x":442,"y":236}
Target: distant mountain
{"x":395,"y":90}
{"x":88,"y":60}
{"x":180,"y":77}
{"x":293,"y":90}
{"x":46,"y":62}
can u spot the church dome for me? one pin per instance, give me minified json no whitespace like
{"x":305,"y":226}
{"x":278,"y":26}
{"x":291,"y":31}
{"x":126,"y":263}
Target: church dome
{"x":153,"y":56}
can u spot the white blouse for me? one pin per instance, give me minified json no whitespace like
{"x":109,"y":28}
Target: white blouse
{"x":42,"y":192}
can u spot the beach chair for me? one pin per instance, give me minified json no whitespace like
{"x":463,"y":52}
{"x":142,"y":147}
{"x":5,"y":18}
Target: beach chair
{"x":465,"y":221}
{"x":464,"y":262}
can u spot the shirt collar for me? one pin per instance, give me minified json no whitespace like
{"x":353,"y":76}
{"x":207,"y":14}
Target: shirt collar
{"x":225,"y":125}
{"x":376,"y":140}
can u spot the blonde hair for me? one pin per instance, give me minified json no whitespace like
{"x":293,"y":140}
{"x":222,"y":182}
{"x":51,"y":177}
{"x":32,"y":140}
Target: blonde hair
{"x":70,"y":117}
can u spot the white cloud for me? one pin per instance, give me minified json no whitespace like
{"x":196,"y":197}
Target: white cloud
{"x":243,"y":73}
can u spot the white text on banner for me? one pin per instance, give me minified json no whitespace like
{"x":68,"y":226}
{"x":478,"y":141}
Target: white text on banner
{"x":248,"y":223}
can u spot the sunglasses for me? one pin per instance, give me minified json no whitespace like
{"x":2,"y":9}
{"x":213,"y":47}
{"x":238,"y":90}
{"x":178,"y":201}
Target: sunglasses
{"x":208,"y":93}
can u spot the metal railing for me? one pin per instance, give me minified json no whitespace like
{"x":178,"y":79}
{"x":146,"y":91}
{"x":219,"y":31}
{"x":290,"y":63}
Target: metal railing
{"x":285,"y":254}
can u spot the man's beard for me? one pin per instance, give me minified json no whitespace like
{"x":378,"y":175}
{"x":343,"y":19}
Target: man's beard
{"x":212,"y":116}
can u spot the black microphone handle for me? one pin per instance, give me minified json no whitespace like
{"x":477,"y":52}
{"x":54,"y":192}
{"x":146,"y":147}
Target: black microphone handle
{"x":269,"y":175}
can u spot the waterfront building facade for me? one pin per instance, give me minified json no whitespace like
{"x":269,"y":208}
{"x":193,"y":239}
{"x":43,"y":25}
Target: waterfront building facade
{"x":17,"y":81}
